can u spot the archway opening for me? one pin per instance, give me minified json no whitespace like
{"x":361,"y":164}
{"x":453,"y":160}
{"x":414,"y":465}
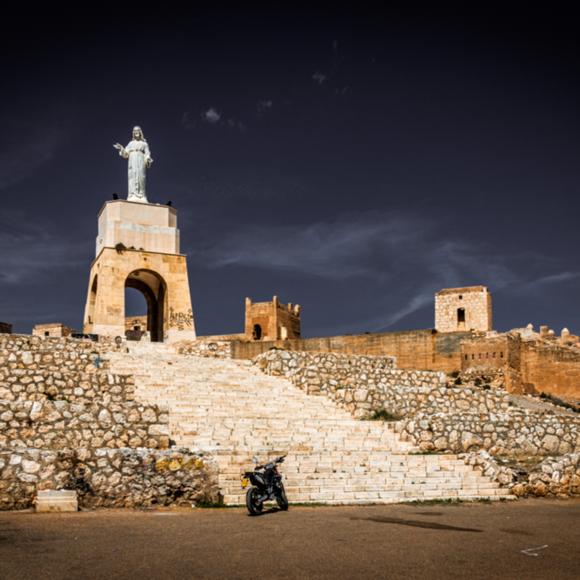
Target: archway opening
{"x":257,"y":332}
{"x":152,"y":289}
{"x":135,"y":314}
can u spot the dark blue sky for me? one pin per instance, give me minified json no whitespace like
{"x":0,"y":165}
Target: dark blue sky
{"x":354,"y":163}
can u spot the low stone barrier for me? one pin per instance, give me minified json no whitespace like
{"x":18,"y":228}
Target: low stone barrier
{"x":433,"y":416}
{"x":206,"y":348}
{"x":108,"y":477}
{"x":63,"y":425}
{"x":515,"y":432}
{"x":363,"y":384}
{"x":32,"y":383}
{"x":66,"y":422}
{"x":552,"y":477}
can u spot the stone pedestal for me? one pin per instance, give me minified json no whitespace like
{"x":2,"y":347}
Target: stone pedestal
{"x":138,"y":247}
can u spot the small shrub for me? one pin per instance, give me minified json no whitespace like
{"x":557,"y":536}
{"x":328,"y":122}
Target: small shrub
{"x":383,"y":415}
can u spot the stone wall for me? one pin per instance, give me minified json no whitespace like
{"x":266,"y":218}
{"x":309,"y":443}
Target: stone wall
{"x":551,"y":368}
{"x":552,"y":477}
{"x":361,"y":384}
{"x":67,"y":422}
{"x":414,"y":349}
{"x":436,"y":416}
{"x":206,"y":348}
{"x":64,"y":425}
{"x":108,"y":477}
{"x":506,"y":432}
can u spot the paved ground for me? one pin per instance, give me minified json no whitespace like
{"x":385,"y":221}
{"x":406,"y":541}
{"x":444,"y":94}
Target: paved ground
{"x":523,"y":540}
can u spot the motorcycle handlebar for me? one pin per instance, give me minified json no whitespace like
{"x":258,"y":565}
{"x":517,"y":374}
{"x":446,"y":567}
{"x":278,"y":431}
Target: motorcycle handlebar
{"x":277,"y":460}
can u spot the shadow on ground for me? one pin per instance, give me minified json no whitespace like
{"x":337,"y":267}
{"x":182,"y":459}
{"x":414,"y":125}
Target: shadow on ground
{"x":417,"y":524}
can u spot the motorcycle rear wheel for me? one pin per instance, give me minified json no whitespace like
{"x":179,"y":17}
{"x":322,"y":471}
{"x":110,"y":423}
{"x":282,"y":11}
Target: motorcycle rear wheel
{"x":253,"y":504}
{"x":281,"y":498}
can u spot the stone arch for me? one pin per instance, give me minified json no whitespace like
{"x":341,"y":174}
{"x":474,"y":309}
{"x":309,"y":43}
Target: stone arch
{"x":154,"y":289}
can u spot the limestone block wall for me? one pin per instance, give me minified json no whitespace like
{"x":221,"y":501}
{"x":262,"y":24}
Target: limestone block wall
{"x":108,"y":477}
{"x":205,"y":347}
{"x":551,"y":368}
{"x":358,"y":383}
{"x":66,"y":422}
{"x":435,"y":416}
{"x":506,"y":432}
{"x":552,"y":477}
{"x":413,"y":349}
{"x":64,"y":425}
{"x":34,"y":383}
{"x":50,"y":349}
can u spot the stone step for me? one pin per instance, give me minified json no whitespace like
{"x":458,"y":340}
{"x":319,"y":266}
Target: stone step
{"x":229,"y":408}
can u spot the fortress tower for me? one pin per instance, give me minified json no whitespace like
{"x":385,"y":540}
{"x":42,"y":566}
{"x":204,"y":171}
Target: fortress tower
{"x":272,"y":320}
{"x":463,"y":309}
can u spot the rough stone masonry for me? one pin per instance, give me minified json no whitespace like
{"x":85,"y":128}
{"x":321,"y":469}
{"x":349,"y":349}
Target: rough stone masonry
{"x":66,"y":422}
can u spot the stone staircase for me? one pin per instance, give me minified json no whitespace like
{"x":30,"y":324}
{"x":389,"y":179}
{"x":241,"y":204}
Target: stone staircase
{"x":232,"y":410}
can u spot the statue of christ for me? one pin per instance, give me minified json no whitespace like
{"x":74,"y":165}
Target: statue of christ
{"x":139,"y":156}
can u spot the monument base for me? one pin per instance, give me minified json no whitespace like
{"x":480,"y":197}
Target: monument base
{"x":152,"y":264}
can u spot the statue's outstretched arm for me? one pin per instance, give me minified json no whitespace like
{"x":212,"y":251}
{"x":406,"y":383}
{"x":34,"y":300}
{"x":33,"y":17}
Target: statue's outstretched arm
{"x":122,"y":151}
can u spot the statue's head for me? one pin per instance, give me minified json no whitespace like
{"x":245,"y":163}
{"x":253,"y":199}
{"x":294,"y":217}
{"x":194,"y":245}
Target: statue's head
{"x":137,"y":133}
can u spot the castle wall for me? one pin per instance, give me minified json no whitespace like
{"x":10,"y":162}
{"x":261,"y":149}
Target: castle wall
{"x":530,"y":366}
{"x":415,"y":349}
{"x":551,"y":369}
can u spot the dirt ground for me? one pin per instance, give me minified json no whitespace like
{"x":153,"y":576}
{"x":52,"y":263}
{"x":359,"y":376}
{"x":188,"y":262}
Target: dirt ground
{"x":520,"y":540}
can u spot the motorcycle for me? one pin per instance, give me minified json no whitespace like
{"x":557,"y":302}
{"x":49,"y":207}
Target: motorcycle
{"x":266,"y":486}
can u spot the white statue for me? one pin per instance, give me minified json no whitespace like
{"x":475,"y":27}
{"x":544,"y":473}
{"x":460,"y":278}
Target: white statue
{"x":139,"y":156}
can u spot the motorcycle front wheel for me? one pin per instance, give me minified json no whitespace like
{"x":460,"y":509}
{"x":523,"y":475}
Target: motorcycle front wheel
{"x":253,"y":502}
{"x":281,"y":498}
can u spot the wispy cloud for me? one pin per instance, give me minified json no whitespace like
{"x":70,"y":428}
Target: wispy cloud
{"x":264,"y":105}
{"x":407,"y":255}
{"x":319,"y":77}
{"x":211,"y":116}
{"x":235,"y":124}
{"x":351,"y":245}
{"x":554,"y":279}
